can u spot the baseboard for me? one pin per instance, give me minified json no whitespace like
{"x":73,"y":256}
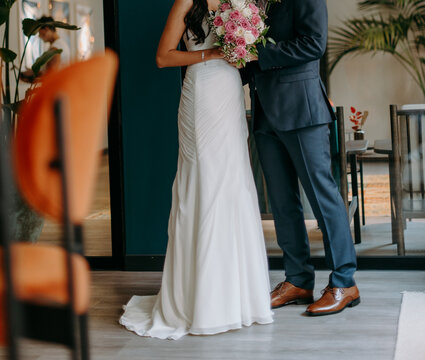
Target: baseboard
{"x":99,"y":263}
{"x":156,"y":263}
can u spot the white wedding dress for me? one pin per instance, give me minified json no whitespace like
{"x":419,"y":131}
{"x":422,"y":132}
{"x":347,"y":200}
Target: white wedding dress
{"x":215,"y":275}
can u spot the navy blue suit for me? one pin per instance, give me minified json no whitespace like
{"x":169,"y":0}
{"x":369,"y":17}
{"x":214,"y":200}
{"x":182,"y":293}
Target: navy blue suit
{"x":292,"y":113}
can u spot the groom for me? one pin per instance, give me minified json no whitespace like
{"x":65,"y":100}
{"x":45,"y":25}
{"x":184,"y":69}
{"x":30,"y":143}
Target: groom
{"x":292,"y":113}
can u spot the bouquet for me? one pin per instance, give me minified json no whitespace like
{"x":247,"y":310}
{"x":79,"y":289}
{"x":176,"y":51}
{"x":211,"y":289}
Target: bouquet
{"x":239,"y":26}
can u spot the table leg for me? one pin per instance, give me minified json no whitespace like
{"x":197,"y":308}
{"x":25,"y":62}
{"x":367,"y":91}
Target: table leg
{"x":392,"y":200}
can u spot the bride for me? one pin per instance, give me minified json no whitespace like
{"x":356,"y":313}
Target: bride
{"x":215,"y":275}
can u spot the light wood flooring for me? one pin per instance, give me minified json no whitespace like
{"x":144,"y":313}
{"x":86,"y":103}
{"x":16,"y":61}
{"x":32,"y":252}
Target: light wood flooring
{"x":366,"y":332}
{"x":97,"y":226}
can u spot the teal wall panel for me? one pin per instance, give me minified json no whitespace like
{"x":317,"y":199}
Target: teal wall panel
{"x":150,"y":98}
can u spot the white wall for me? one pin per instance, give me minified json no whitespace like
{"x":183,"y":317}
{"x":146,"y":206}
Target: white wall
{"x":369,"y":83}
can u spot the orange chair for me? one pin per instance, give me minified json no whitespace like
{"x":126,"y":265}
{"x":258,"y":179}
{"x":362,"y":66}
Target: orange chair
{"x":44,"y":290}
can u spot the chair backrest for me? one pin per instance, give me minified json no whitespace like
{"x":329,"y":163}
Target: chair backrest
{"x":55,"y":152}
{"x":85,"y":89}
{"x":408,"y":135}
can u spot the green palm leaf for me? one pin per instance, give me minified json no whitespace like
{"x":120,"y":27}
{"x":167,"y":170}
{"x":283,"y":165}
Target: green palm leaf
{"x":396,"y":27}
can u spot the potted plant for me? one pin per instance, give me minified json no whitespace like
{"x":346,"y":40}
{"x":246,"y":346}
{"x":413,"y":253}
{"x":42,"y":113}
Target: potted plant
{"x":27,"y":223}
{"x":389,"y":26}
{"x":358,"y":118}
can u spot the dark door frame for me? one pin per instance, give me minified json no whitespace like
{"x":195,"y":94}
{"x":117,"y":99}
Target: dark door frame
{"x":155,"y":263}
{"x":116,"y":179}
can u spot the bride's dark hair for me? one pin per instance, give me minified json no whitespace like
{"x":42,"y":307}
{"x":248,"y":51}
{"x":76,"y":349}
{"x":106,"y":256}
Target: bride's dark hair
{"x":194,"y":20}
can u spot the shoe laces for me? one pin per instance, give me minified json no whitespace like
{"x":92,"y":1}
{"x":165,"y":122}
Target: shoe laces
{"x":328,"y":289}
{"x":280,"y":287}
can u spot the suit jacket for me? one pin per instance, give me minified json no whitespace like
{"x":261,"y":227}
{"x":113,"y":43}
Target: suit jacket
{"x":287,"y":75}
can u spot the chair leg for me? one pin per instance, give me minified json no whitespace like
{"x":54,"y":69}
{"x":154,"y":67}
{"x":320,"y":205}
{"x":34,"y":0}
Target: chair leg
{"x":362,"y":191}
{"x":84,"y":337}
{"x":392,"y":199}
{"x":354,"y":185}
{"x":398,"y":188}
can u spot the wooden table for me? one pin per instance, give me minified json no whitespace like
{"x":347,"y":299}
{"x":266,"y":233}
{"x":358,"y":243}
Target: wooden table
{"x":354,"y":148}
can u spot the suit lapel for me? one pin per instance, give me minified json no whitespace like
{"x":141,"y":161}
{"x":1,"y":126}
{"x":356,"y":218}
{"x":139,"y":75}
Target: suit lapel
{"x":278,"y":7}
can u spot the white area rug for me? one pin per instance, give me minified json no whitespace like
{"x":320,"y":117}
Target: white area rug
{"x":411,"y":328}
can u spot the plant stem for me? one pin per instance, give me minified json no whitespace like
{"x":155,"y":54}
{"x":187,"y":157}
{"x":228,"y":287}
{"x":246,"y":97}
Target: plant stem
{"x":7,"y":96}
{"x":20,"y":67}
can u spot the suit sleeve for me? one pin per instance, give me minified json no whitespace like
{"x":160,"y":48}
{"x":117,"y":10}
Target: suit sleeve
{"x":245,"y":75}
{"x":311,"y":29}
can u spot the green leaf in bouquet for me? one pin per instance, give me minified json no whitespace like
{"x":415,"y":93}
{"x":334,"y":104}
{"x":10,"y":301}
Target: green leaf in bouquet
{"x":7,"y":55}
{"x":44,"y":59}
{"x":217,"y":44}
{"x":264,"y":42}
{"x":265,"y":31}
{"x":30,"y":26}
{"x":253,"y":51}
{"x":271,"y":40}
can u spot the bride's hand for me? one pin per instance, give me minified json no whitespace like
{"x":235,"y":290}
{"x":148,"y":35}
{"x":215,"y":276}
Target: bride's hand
{"x":215,"y":53}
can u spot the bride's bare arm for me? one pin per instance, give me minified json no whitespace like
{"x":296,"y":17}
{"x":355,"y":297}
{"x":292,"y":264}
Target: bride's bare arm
{"x":167,"y":54}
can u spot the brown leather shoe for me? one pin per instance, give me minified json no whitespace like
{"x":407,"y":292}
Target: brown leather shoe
{"x":334,"y":300}
{"x":285,"y":294}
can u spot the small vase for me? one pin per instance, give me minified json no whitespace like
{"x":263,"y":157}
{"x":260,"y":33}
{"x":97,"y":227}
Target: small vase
{"x":359,"y":135}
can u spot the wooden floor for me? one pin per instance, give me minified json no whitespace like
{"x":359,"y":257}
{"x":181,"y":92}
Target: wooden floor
{"x":365,"y":332}
{"x":97,"y":226}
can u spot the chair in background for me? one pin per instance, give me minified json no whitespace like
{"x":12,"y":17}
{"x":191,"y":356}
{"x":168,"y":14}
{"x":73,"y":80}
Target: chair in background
{"x":44,"y":290}
{"x":340,"y":149}
{"x":406,"y":162}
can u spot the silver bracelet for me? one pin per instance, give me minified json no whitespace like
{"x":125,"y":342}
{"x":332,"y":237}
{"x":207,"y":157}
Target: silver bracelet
{"x":203,"y":57}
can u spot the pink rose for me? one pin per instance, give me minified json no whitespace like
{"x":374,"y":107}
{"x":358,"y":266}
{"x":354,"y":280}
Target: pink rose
{"x":235,"y":15}
{"x":231,"y":27}
{"x":245,"y":23}
{"x":240,"y":42}
{"x":255,"y":32}
{"x":224,"y":7}
{"x":240,"y":52}
{"x":254,"y":9}
{"x":256,"y":20}
{"x":229,"y":38}
{"x":218,"y":21}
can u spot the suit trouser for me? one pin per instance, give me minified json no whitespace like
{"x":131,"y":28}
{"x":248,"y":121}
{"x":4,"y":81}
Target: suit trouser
{"x":304,"y":154}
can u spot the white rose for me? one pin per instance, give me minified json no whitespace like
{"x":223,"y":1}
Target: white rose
{"x":239,"y":32}
{"x":221,"y":31}
{"x":238,"y":4}
{"x":249,"y":38}
{"x":225,"y":15}
{"x":246,"y":12}
{"x":261,"y":26}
